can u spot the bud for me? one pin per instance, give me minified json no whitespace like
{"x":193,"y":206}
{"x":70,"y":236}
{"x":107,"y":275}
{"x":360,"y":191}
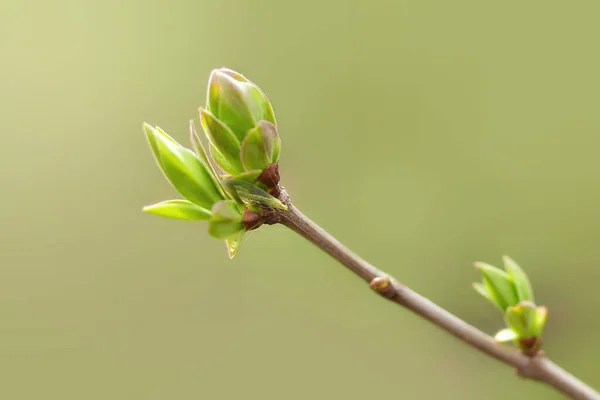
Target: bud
{"x":237,"y":102}
{"x":504,"y":288}
{"x":240,"y":125}
{"x":511,"y":292}
{"x":243,"y":142}
{"x":383,"y":286}
{"x":527,"y":321}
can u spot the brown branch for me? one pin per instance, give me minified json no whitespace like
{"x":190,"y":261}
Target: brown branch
{"x":538,"y":368}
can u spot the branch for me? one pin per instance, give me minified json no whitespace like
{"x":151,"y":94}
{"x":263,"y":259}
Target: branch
{"x":538,"y":367}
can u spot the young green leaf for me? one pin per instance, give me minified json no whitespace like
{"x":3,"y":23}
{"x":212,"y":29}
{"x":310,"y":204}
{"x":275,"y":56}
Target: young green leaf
{"x":221,"y":161}
{"x":183,"y":169}
{"x":179,"y":209}
{"x":248,"y":176}
{"x":236,"y":101}
{"x":482,"y":290}
{"x":521,"y":282}
{"x":499,"y":284}
{"x":260,"y":146}
{"x":201,"y":152}
{"x":252,"y":195}
{"x":226,"y":220}
{"x":522,"y":318}
{"x":253,"y":151}
{"x":223,"y":139}
{"x":233,"y":243}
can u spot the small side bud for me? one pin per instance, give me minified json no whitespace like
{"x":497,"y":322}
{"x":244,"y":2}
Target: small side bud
{"x":383,"y":286}
{"x":251,"y":219}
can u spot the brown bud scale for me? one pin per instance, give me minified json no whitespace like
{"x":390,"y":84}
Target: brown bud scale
{"x":270,"y":176}
{"x":251,"y":219}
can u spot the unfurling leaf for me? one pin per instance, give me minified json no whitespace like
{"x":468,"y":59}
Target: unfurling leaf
{"x":188,"y":175}
{"x":521,"y":282}
{"x":482,"y":290}
{"x":260,"y":147}
{"x":179,"y":209}
{"x":499,"y":285}
{"x":252,"y":195}
{"x":237,"y":102}
{"x":224,"y":140}
{"x":226,"y":220}
{"x":521,"y":318}
{"x":203,"y":156}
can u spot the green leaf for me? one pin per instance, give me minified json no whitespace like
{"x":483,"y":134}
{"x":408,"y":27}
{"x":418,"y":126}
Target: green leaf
{"x":248,"y":176}
{"x":521,"y":318}
{"x":226,"y":220}
{"x":221,"y":161}
{"x":253,"y":152}
{"x":233,"y":243}
{"x":499,"y":284}
{"x":520,"y":279}
{"x":201,"y":152}
{"x":251,"y":195}
{"x":179,"y":209}
{"x":271,"y":140}
{"x":183,"y":169}
{"x":236,"y":101}
{"x":482,"y":290}
{"x":223,"y":139}
{"x":260,"y":146}
{"x":506,"y":335}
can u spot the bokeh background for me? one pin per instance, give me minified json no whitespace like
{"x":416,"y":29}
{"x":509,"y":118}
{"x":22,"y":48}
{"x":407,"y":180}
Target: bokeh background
{"x":425,"y":135}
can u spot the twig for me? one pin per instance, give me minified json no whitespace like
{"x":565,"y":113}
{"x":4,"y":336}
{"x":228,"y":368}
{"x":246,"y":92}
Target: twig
{"x":538,"y":368}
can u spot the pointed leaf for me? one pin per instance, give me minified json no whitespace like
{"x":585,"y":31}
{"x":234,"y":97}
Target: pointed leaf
{"x":248,"y":176}
{"x":482,"y":290}
{"x":252,"y":195}
{"x":221,"y":161}
{"x":233,"y":244}
{"x":506,"y":335}
{"x":499,"y":284}
{"x":183,"y":169}
{"x":223,"y":139}
{"x":203,"y":156}
{"x":520,"y":279}
{"x":179,"y":209}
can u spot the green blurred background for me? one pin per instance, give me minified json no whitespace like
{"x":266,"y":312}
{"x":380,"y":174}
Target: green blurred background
{"x":425,"y":135}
